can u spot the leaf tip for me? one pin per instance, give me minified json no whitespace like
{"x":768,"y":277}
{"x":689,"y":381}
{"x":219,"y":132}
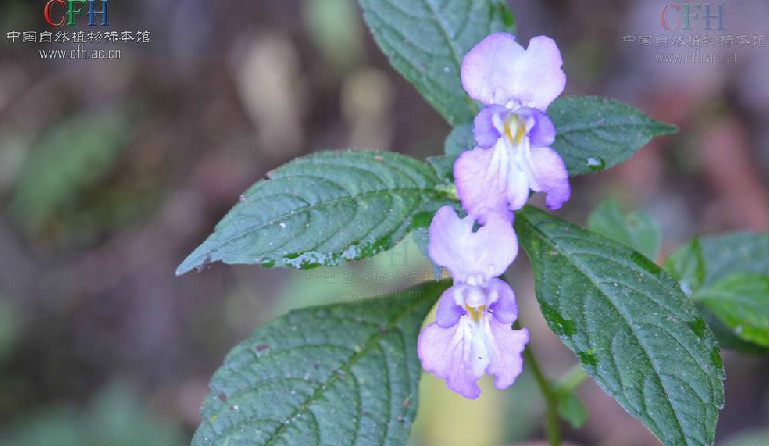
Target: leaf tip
{"x":192,"y":262}
{"x":667,"y":129}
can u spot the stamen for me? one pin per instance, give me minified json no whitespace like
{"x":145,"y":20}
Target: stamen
{"x":475,"y":313}
{"x":521,"y":132}
{"x":515,"y":129}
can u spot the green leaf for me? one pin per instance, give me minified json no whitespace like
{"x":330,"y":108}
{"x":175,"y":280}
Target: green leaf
{"x":741,"y":301}
{"x":704,"y":262}
{"x":595,"y":134}
{"x":343,"y":374}
{"x":571,"y":409}
{"x":687,"y":266}
{"x":633,"y":329}
{"x":324,"y":209}
{"x":738,"y":252}
{"x":636,"y":230}
{"x":726,"y":337}
{"x":460,"y":139}
{"x":426,"y":41}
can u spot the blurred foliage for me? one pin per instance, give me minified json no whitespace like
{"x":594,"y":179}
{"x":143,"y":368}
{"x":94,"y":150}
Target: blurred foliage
{"x":750,"y":438}
{"x":334,"y":25}
{"x":10,"y":324}
{"x":115,"y":417}
{"x":65,"y":162}
{"x":636,"y":230}
{"x":86,"y":176}
{"x":726,"y":276}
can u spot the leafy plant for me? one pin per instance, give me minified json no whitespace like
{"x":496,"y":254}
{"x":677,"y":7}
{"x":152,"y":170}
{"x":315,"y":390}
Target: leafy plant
{"x":347,"y":373}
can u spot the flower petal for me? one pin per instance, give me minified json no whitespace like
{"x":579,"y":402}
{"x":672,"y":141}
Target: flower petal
{"x":498,"y":70}
{"x":472,"y":257}
{"x":443,"y":233}
{"x":501,"y":301}
{"x":540,"y":129}
{"x":480,"y":184}
{"x":540,"y":79}
{"x":517,"y":187}
{"x":549,"y":175}
{"x":486,"y":68}
{"x":444,"y":353}
{"x":506,"y":348}
{"x":485,"y":129}
{"x":449,"y":309}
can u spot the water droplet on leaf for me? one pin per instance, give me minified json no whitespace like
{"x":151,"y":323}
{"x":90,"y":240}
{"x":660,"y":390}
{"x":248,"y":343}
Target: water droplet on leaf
{"x":596,"y":163}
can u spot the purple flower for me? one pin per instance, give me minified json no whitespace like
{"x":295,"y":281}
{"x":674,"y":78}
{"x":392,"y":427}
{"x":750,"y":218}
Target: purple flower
{"x":472,"y":334}
{"x":512,"y":132}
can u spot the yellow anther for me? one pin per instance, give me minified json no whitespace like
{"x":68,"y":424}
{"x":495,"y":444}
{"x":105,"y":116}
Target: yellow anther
{"x":520,"y":133}
{"x":515,"y":129}
{"x":475,"y":313}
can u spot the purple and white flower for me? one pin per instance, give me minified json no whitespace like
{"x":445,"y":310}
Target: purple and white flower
{"x":473,"y":334}
{"x":513,"y":133}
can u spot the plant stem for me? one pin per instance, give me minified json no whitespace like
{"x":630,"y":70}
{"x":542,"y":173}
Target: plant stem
{"x":551,"y":398}
{"x":572,"y":379}
{"x":548,"y":392}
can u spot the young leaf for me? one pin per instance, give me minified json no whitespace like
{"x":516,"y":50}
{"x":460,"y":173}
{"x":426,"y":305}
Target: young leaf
{"x":426,"y":41}
{"x":343,"y":374}
{"x":571,"y":409}
{"x":741,"y":301}
{"x":727,"y":255}
{"x":687,"y":266}
{"x":726,"y":337}
{"x":636,"y":230}
{"x":732,"y":253}
{"x":323,"y":209}
{"x":460,"y":139}
{"x":595,"y":134}
{"x":633,"y":329}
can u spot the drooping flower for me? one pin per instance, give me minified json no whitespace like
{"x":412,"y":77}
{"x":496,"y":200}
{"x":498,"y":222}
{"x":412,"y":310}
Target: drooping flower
{"x":473,"y":334}
{"x":513,"y":133}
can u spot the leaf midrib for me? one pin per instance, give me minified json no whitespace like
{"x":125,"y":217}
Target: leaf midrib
{"x":301,"y":210}
{"x":455,"y":52}
{"x":372,"y":341}
{"x":590,"y":277}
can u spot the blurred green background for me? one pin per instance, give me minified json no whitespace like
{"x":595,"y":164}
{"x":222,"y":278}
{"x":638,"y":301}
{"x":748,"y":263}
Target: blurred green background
{"x":112,"y":171}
